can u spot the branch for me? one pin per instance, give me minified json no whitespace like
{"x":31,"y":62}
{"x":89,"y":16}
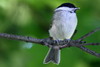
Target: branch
{"x":46,"y":41}
{"x":89,"y":51}
{"x":21,"y":38}
{"x":86,"y":49}
{"x":59,"y":43}
{"x":91,"y":44}
{"x":88,"y":34}
{"x":81,"y":46}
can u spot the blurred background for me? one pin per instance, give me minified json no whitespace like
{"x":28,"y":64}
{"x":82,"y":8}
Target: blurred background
{"x":33,"y":18}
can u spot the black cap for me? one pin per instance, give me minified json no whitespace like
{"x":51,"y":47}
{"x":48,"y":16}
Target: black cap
{"x":67,"y":5}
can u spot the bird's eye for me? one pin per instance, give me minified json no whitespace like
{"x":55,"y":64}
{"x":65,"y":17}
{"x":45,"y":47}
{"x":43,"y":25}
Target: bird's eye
{"x":71,"y":11}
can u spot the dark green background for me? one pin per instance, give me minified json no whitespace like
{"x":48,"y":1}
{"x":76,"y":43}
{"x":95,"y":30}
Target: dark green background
{"x":33,"y":18}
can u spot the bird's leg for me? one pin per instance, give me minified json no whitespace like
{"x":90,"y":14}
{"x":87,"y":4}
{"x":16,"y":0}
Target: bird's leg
{"x":74,"y":33}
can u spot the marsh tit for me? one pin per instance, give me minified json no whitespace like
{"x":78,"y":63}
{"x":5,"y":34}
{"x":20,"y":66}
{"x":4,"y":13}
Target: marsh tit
{"x":63,"y":26}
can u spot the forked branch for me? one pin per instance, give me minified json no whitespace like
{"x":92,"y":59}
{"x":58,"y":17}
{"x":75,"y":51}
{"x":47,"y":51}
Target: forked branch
{"x":61,"y":43}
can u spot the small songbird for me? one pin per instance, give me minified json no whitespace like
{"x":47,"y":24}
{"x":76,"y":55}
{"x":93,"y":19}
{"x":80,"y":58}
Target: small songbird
{"x":63,"y":27}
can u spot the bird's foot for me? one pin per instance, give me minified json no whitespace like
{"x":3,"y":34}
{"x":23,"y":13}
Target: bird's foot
{"x":66,"y":41}
{"x":57,"y":42}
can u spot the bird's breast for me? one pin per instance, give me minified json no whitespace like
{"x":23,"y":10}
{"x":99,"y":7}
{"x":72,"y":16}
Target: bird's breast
{"x":63,"y":26}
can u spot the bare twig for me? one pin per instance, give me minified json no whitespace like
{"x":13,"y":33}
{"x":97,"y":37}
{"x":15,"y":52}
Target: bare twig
{"x":88,"y":34}
{"x":91,"y":44}
{"x":61,"y":43}
{"x":86,"y":49}
{"x":21,"y":38}
{"x":89,"y":51}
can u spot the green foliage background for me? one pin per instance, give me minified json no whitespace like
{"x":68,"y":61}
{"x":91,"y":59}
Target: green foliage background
{"x":33,"y":18}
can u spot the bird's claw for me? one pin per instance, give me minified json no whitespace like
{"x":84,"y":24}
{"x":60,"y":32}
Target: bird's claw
{"x":57,"y":42}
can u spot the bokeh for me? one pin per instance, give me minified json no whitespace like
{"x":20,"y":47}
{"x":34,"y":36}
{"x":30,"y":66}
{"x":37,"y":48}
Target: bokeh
{"x":33,"y":18}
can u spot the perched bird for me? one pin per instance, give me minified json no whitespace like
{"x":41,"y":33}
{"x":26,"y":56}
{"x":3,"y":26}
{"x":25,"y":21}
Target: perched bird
{"x":63,"y":26}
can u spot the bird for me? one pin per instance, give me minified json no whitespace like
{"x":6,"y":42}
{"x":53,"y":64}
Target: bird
{"x":63,"y":27}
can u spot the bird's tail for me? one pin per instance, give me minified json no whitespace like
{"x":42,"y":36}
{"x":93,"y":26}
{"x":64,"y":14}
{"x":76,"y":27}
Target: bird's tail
{"x":53,"y":55}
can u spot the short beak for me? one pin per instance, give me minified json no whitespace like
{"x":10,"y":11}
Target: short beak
{"x":77,"y":8}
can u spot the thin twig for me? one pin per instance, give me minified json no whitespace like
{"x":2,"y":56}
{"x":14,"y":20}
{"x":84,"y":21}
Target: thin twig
{"x":88,"y":34}
{"x":86,"y":49}
{"x":89,"y":51}
{"x":91,"y":44}
{"x":84,"y":44}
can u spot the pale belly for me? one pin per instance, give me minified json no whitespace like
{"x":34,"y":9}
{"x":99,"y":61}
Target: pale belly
{"x":63,"y":28}
{"x":63,"y":32}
